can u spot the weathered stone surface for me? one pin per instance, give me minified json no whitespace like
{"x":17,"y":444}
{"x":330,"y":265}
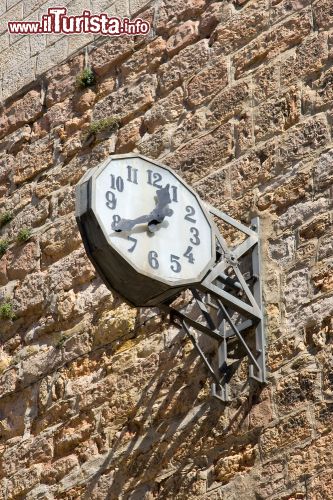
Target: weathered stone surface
{"x":111,"y":53}
{"x":297,"y":289}
{"x":144,"y":60}
{"x":186,"y":34}
{"x":309,"y":57}
{"x":273,"y":42}
{"x":275,"y":116}
{"x":323,"y":14}
{"x":129,"y":136}
{"x":184,"y":65}
{"x":202,"y":156}
{"x":303,"y":140}
{"x":231,"y":101}
{"x":165,"y":110}
{"x":128,"y":101}
{"x":285,"y":433}
{"x":208,"y":82}
{"x":33,"y":159}
{"x":241,"y":28}
{"x":22,"y":260}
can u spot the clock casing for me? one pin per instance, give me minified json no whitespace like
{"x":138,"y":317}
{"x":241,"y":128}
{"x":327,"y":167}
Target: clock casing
{"x":145,"y":267}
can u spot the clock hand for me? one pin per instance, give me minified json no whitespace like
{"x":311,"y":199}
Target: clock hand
{"x":155,"y":217}
{"x":128,"y":224}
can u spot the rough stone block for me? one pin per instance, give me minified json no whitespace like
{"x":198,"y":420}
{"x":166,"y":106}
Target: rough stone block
{"x":296,"y":290}
{"x":241,"y":28}
{"x":215,"y":188}
{"x":266,"y":82}
{"x":208,"y":82}
{"x":295,"y":428}
{"x":292,"y":391}
{"x":191,"y":125}
{"x":188,"y":62}
{"x":145,"y":60}
{"x":323,"y":15}
{"x":22,"y":260}
{"x":158,"y":143}
{"x":307,"y":60}
{"x":212,"y":16}
{"x":315,"y":227}
{"x":128,"y":101}
{"x":111,"y":54}
{"x":276,"y":115}
{"x":285,"y":8}
{"x":325,"y":250}
{"x":321,"y":485}
{"x":289,"y":193}
{"x":270,"y":44}
{"x":33,"y":159}
{"x":186,"y":34}
{"x":165,"y":110}
{"x":59,"y":240}
{"x":303,"y":140}
{"x":322,"y":277}
{"x":231,"y":101}
{"x":310,"y":459}
{"x":202,"y":156}
{"x":240,"y":461}
{"x":52,"y":55}
{"x":136,"y":5}
{"x":171,"y":12}
{"x":13,"y":14}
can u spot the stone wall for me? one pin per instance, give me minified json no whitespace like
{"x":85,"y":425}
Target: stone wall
{"x":25,"y":58}
{"x":98,"y":400}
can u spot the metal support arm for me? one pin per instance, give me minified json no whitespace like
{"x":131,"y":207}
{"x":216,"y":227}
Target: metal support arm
{"x":229,"y":304}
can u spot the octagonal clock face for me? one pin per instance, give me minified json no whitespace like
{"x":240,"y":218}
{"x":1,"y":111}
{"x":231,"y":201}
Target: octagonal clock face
{"x":153,"y":219}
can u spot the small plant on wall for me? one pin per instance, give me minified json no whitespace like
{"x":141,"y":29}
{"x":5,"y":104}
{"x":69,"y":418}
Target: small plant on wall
{"x":105,"y":125}
{"x":6,"y":310}
{"x":4,"y":244}
{"x":86,"y":78}
{"x":5,"y":217}
{"x":24,"y":234}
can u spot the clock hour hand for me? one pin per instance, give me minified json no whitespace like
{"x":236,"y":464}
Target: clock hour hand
{"x":128,"y":224}
{"x":155,"y":217}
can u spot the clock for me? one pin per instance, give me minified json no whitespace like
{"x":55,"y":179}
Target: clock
{"x":145,"y":230}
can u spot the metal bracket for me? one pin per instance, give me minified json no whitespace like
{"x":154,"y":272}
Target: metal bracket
{"x":229,"y":304}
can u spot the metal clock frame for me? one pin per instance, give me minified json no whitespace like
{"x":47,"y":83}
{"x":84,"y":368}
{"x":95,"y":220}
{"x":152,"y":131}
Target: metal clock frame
{"x":218,"y":301}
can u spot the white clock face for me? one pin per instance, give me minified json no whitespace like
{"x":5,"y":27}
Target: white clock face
{"x":171,"y":239}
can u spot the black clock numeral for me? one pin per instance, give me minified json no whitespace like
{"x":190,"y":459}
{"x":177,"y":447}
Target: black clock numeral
{"x":174,"y":193}
{"x":132,"y":248}
{"x":132,"y":174}
{"x":190,"y":212}
{"x":176,"y":267}
{"x":189,"y":255}
{"x":111,"y":200}
{"x":154,"y":178}
{"x":152,"y":259}
{"x":115,"y":220}
{"x":195,"y":240}
{"x":117,"y":183}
